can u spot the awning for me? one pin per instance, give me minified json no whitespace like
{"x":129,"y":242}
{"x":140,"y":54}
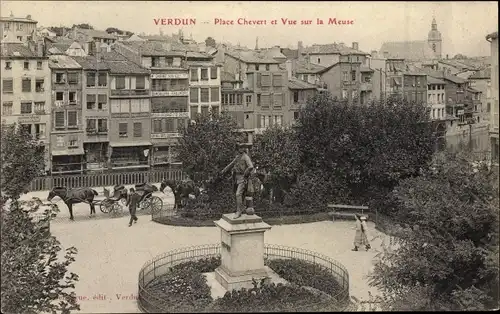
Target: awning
{"x":130,"y":144}
{"x":68,"y":152}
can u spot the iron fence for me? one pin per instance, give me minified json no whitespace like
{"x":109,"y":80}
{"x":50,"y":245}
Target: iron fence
{"x":105,"y":179}
{"x":161,"y":265}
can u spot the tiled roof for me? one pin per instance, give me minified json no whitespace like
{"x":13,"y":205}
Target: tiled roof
{"x":290,"y":53}
{"x":440,"y":75}
{"x":112,"y":56}
{"x":125,"y":67}
{"x":332,"y":49}
{"x":473,"y":90}
{"x":408,"y":50}
{"x":16,"y":50}
{"x":457,"y":64}
{"x":63,"y":62}
{"x":149,"y":48}
{"x":95,"y":33}
{"x":294,"y":83}
{"x":228,"y":77}
{"x":432,"y":80}
{"x":90,"y":63}
{"x":482,"y":74}
{"x":17,"y":19}
{"x":199,"y":55}
{"x":304,"y":68}
{"x":252,"y":56}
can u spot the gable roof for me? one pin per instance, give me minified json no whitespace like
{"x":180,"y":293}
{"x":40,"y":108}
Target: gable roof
{"x":63,"y":62}
{"x":482,"y":74}
{"x":228,"y":77}
{"x":434,"y":81}
{"x":294,"y":83}
{"x":94,"y":33}
{"x":90,"y":63}
{"x":311,"y":68}
{"x":334,"y":48}
{"x":290,"y":53}
{"x":457,"y":64}
{"x":408,"y":50}
{"x":16,"y":50}
{"x":440,"y":75}
{"x":148,"y":48}
{"x":252,"y":56}
{"x":125,"y":67}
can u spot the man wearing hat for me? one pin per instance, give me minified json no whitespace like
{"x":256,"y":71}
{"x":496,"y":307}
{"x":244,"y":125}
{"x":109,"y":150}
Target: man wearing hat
{"x":242,"y":167}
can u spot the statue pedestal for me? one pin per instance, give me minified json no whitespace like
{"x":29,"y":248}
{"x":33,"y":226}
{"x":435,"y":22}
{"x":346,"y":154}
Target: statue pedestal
{"x":242,"y":251}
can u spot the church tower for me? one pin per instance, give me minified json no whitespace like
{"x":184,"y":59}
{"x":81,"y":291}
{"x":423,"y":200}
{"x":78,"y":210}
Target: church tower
{"x":434,"y":39}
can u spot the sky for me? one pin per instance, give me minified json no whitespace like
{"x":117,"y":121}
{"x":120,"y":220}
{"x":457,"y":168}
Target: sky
{"x":463,"y":25}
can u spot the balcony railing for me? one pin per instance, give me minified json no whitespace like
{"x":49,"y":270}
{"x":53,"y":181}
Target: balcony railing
{"x":91,"y":131}
{"x":129,"y":92}
{"x":366,"y":86}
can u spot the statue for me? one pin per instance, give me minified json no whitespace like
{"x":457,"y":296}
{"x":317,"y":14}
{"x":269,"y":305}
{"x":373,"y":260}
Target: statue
{"x":242,"y":168}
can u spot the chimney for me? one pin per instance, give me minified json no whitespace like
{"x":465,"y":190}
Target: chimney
{"x":386,"y":54}
{"x":40,"y":49}
{"x":98,"y":52}
{"x":300,"y":50}
{"x":374,"y":54}
{"x":74,"y":33}
{"x":355,"y":45}
{"x":28,"y":17}
{"x":308,"y":62}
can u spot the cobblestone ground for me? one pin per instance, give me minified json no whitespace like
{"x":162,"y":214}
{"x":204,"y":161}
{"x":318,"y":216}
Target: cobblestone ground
{"x":111,"y":254}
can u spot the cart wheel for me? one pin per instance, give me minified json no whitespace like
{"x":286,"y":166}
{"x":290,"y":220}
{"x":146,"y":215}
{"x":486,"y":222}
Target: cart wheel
{"x":123,"y":201}
{"x":155,"y":204}
{"x":105,"y":206}
{"x":116,"y":209}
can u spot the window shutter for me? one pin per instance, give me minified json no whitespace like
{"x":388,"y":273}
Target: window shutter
{"x":91,"y":98}
{"x":271,"y":121}
{"x":193,"y":95}
{"x":266,"y":100}
{"x":60,"y":119}
{"x":213,"y":73}
{"x":258,"y":121}
{"x":72,"y":118}
{"x":278,"y":100}
{"x":122,"y":128}
{"x":102,"y":98}
{"x":137,"y":129}
{"x":259,"y":79}
{"x":140,"y":82}
{"x":266,"y":80}
{"x":277,"y":80}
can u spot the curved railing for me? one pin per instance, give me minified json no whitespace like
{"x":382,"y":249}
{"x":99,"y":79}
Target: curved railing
{"x":161,"y":264}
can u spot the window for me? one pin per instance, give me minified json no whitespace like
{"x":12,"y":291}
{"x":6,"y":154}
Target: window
{"x":204,"y":111}
{"x":26,"y":107}
{"x":39,"y":130}
{"x":194,"y":74}
{"x":214,"y":94}
{"x":295,"y":96}
{"x":8,"y":86}
{"x":488,"y":107}
{"x":258,"y":99}
{"x":72,"y":98}
{"x":353,"y":75}
{"x":169,"y":61}
{"x":73,"y":78}
{"x":204,"y":94}
{"x":27,"y":128}
{"x":266,"y":100}
{"x":319,"y":60}
{"x":137,"y":129}
{"x":91,"y":79}
{"x":103,"y":80}
{"x":277,"y":80}
{"x":60,"y":141}
{"x":122,"y":129}
{"x":194,"y":112}
{"x":39,"y":85}
{"x":102,"y":125}
{"x":204,"y":74}
{"x":91,"y":125}
{"x":295,"y":115}
{"x":26,"y":86}
{"x":102,"y":101}
{"x":265,"y":80}
{"x":120,"y":82}
{"x":267,"y":67}
{"x":193,"y":95}
{"x":73,"y":141}
{"x":248,"y":100}
{"x":169,"y":125}
{"x":91,"y":102}
{"x":216,"y":110}
{"x":140,"y":82}
{"x":155,"y":62}
{"x":344,"y":94}
{"x":59,"y":117}
{"x":256,"y":67}
{"x":72,"y":119}
{"x":40,"y":107}
{"x":7,"y":108}
{"x":8,"y":65}
{"x":278,"y":99}
{"x":59,"y":96}
{"x":239,"y":99}
{"x":354,"y":94}
{"x":213,"y":73}
{"x":39,"y":65}
{"x":20,"y":38}
{"x":60,"y":78}
{"x":306,"y":77}
{"x":344,"y":76}
{"x":232,"y":99}
{"x":26,"y":65}
{"x":277,"y":120}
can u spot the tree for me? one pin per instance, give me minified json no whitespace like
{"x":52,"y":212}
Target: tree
{"x":364,"y":150}
{"x":59,"y":30}
{"x":83,"y":26}
{"x":33,"y":280}
{"x":460,"y":56}
{"x":208,"y":145}
{"x":21,"y":161}
{"x":447,"y":254}
{"x":210,"y":42}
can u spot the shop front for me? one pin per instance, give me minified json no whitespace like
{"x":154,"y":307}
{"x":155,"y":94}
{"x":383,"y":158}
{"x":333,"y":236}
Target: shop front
{"x":68,"y":161}
{"x":164,"y":152}
{"x":129,"y":155}
{"x":96,"y":156}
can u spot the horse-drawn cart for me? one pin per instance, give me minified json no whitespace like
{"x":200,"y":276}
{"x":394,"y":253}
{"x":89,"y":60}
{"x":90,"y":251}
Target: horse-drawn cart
{"x":111,"y":204}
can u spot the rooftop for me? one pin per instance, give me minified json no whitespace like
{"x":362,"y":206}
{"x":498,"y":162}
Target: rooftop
{"x":332,"y":49}
{"x":125,"y":67}
{"x":482,"y":74}
{"x":63,"y":62}
{"x":308,"y":68}
{"x":290,"y":53}
{"x":11,"y":18}
{"x":294,"y":83}
{"x":90,"y":63}
{"x":149,"y":48}
{"x":459,"y":64}
{"x":434,"y":81}
{"x":13,"y":50}
{"x":408,"y":50}
{"x":228,"y":77}
{"x":94,"y":33}
{"x":252,"y":56}
{"x":440,"y":75}
{"x":365,"y":69}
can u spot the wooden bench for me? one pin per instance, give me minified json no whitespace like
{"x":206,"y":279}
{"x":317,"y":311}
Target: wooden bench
{"x":346,"y":212}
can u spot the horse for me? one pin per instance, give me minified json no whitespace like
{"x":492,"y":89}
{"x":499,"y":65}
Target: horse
{"x":74,"y":196}
{"x":181,"y":189}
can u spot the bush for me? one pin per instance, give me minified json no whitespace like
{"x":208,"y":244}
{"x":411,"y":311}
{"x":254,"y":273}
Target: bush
{"x":306,"y":274}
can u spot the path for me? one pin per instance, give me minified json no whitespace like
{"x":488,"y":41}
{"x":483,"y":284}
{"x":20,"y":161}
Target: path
{"x":111,"y":254}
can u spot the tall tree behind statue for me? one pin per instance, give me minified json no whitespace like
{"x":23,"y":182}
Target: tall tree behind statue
{"x":33,"y":279}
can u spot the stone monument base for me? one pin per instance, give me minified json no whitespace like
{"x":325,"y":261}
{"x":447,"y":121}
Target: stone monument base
{"x":236,"y":281}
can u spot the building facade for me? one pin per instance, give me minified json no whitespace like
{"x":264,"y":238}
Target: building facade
{"x":238,"y":102}
{"x":23,"y":29}
{"x":436,"y":98}
{"x":493,"y":39}
{"x":300,"y":93}
{"x":66,"y":139}
{"x":481,"y":81}
{"x":26,"y":92}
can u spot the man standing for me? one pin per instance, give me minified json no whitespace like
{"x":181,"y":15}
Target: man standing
{"x":242,"y":166}
{"x":132,"y":203}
